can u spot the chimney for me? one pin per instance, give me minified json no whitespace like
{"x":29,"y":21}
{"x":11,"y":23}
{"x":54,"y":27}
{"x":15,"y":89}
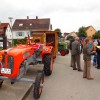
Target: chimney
{"x":50,"y":26}
{"x":36,"y":17}
{"x":27,"y":17}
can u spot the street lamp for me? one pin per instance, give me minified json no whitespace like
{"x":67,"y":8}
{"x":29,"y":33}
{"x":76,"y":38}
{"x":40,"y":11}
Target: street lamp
{"x":10,"y":18}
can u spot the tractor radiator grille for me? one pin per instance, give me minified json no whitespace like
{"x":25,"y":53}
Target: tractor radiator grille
{"x":4,"y":61}
{"x":11,"y":62}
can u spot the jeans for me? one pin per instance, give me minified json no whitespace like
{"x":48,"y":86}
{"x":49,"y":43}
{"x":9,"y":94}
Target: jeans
{"x":95,"y":60}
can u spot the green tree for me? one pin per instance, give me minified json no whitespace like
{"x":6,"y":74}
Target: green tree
{"x":82,"y":32}
{"x":69,"y":37}
{"x":59,"y":32}
{"x":96,"y":35}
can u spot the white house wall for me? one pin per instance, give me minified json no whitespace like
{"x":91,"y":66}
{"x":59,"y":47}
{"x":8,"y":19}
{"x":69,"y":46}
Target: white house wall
{"x":24,"y":34}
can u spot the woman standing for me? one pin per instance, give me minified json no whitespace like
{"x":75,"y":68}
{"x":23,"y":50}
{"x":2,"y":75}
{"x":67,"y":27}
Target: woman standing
{"x":87,"y":59}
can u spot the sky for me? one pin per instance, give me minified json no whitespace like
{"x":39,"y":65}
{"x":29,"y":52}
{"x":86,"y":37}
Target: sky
{"x":67,"y":15}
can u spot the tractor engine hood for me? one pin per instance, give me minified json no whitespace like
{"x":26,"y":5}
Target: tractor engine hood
{"x":13,"y":57}
{"x":20,"y":49}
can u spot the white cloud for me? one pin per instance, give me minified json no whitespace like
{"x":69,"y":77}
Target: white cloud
{"x":68,"y":15}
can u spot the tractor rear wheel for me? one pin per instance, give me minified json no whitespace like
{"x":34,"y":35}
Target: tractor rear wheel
{"x":67,"y":51}
{"x":37,"y":85}
{"x":48,"y":64}
{"x":62,"y":52}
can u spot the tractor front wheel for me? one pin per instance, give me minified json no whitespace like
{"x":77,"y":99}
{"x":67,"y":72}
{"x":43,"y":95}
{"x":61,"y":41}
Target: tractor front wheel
{"x":67,"y":51}
{"x":37,"y":85}
{"x":48,"y":64}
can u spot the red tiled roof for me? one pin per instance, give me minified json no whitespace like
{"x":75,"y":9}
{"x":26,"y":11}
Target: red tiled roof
{"x":86,"y":28}
{"x":2,"y":25}
{"x":67,"y":33}
{"x":31,"y":24}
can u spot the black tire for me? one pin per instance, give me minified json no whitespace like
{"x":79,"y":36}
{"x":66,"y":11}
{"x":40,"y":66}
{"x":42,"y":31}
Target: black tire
{"x":63,"y":52}
{"x":48,"y":64}
{"x":42,"y":72}
{"x":67,"y":51}
{"x":1,"y":82}
{"x":37,"y":89}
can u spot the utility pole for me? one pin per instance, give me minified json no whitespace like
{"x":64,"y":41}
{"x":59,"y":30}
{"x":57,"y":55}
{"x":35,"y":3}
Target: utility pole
{"x":10,"y":18}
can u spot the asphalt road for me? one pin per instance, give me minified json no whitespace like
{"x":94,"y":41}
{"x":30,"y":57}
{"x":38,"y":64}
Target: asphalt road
{"x":68,"y":84}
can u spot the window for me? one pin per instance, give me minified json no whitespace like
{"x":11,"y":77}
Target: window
{"x":20,"y":24}
{"x":20,"y":33}
{"x":30,"y":24}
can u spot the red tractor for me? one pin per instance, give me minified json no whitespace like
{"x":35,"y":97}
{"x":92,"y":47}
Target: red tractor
{"x":15,"y":61}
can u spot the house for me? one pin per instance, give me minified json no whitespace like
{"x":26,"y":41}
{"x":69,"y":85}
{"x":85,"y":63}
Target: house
{"x":5,"y":33}
{"x":65,"y":35}
{"x":74,"y":34}
{"x":90,"y":30}
{"x":24,"y":27}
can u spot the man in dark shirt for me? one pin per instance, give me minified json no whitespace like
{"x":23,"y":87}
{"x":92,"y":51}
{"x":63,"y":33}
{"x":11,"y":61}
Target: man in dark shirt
{"x":98,"y":57}
{"x":76,"y":51}
{"x":99,"y":41}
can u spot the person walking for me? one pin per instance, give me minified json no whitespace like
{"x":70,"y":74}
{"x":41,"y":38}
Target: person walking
{"x":87,"y":59}
{"x":76,"y":51}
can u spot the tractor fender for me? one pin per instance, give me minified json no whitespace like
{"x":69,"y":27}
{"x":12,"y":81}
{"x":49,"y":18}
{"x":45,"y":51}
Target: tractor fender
{"x":47,"y":50}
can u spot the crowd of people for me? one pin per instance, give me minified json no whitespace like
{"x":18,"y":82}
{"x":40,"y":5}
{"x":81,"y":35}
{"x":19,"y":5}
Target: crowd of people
{"x":91,"y":52}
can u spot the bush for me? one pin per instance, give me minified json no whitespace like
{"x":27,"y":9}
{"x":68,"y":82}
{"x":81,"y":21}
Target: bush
{"x":20,"y":41}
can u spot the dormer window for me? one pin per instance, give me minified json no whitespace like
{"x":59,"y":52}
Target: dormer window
{"x":20,"y":24}
{"x":30,"y":24}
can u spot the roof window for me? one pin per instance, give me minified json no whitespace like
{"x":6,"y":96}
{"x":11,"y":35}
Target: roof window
{"x":30,"y":24}
{"x":20,"y":24}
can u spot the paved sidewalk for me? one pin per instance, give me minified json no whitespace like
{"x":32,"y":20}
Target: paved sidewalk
{"x":64,"y":84}
{"x":68,"y":84}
